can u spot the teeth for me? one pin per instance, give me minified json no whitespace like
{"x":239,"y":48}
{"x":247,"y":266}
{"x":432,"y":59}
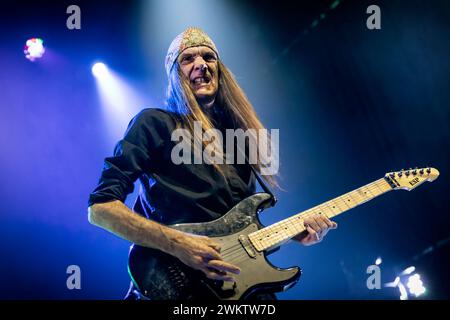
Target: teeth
{"x":199,"y":80}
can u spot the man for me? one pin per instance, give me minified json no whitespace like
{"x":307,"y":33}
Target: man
{"x":200,"y":89}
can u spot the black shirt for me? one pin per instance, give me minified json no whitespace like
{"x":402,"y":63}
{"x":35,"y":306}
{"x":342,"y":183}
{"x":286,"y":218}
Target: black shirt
{"x":170,"y":193}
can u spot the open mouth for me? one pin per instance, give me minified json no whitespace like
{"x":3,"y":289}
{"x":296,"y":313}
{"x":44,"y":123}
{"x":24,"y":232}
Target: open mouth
{"x":203,"y":80}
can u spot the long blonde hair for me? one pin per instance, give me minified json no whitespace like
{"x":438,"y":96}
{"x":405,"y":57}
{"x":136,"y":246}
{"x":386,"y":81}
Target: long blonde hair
{"x":181,"y":100}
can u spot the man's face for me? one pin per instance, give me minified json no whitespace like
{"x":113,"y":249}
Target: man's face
{"x":199,"y":65}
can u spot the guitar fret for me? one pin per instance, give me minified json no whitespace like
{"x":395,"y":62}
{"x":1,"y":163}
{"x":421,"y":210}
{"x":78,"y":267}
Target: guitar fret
{"x":356,"y":195}
{"x":334,"y":208}
{"x":337,"y":206}
{"x":362,"y":196}
{"x":345,"y":202}
{"x":284,"y":230}
{"x":368,"y":191}
{"x":376,"y":185}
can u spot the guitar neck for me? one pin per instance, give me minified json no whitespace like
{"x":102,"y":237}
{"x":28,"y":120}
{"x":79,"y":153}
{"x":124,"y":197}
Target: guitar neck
{"x":280,"y":232}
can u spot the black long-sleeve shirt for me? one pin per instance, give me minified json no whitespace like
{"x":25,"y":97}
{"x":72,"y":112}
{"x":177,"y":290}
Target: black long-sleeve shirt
{"x":170,"y":193}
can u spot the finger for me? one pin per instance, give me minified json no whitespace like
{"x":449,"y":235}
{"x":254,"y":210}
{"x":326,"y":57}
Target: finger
{"x":310,"y":239}
{"x":313,"y":234}
{"x":215,"y":246}
{"x":223,"y":266}
{"x":312,"y":223}
{"x":217,"y":275}
{"x":321,"y":222}
{"x":210,"y":254}
{"x":331,"y":224}
{"x":328,"y":222}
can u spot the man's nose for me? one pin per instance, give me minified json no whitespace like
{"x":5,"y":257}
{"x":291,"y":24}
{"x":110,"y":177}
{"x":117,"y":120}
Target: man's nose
{"x":200,"y":64}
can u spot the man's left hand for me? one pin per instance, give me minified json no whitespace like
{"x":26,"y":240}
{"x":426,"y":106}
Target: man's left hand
{"x":317,"y":226}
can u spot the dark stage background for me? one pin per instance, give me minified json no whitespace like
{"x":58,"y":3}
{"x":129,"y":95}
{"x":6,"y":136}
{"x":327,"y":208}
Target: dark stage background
{"x":351,"y":104}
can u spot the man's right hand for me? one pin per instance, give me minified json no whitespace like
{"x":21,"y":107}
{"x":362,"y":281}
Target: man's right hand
{"x":198,"y":252}
{"x":202,"y":253}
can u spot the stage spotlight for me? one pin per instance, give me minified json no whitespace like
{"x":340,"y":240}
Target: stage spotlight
{"x":408,"y":270}
{"x":378,"y":261}
{"x":34,"y":49}
{"x":415,"y":285}
{"x":403,"y":292}
{"x":119,"y":99}
{"x":393,"y":284}
{"x":99,"y":70}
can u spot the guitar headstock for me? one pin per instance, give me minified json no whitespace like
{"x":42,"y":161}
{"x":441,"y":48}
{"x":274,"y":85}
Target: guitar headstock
{"x":412,"y":178}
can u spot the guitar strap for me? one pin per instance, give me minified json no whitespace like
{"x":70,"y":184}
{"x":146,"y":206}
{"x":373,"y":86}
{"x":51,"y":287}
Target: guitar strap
{"x":262,"y":183}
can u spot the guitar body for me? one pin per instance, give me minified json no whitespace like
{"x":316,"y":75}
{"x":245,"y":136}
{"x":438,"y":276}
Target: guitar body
{"x":160,"y":276}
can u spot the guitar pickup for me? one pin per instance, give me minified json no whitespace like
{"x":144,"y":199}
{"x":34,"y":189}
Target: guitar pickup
{"x":244,"y":241}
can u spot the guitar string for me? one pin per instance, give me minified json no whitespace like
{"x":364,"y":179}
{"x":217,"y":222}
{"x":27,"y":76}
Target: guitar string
{"x":379,"y":184}
{"x":370,"y":187}
{"x":312,"y":211}
{"x":309,"y":212}
{"x":238,"y":252}
{"x":331,"y":207}
{"x":228,"y":252}
{"x":327,"y":206}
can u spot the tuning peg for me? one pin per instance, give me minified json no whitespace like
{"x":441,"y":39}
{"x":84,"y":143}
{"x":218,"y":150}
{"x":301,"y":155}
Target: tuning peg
{"x":428,"y":170}
{"x":400,"y":173}
{"x":392,"y":175}
{"x":407,"y":173}
{"x":421,"y":171}
{"x":414,"y":172}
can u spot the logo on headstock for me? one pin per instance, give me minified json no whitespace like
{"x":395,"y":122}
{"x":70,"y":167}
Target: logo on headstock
{"x":414,"y":181}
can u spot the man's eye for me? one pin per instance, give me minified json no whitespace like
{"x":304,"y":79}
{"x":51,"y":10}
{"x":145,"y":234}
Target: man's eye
{"x":210,"y":57}
{"x":186,"y":59}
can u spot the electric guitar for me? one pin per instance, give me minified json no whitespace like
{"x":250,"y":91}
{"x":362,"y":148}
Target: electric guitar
{"x":246,"y":243}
